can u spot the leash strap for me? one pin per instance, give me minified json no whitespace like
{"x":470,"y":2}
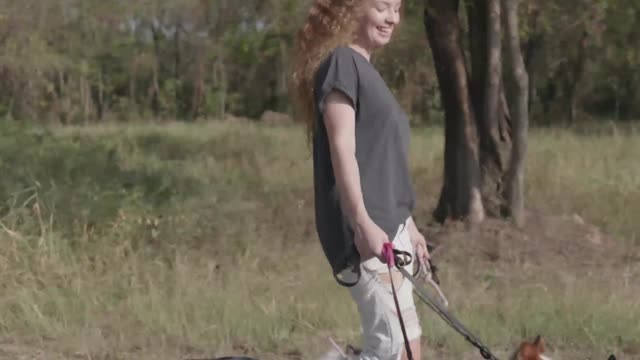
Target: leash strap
{"x":448,"y":317}
{"x":399,"y":259}
{"x":389,"y":254}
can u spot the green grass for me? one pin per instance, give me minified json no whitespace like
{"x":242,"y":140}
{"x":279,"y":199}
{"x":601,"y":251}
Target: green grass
{"x":595,"y":176}
{"x":149,"y":241}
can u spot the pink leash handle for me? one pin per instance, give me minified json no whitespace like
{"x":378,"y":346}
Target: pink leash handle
{"x":387,"y":254}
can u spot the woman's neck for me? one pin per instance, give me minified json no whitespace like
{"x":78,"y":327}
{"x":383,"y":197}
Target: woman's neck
{"x":362,"y":50}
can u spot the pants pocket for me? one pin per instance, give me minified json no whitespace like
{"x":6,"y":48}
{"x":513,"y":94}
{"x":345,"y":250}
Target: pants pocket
{"x":379,"y":326}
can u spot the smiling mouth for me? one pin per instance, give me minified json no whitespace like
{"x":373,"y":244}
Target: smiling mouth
{"x":385,"y":30}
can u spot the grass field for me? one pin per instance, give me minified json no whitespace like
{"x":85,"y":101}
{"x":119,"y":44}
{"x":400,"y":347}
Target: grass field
{"x":167,"y":241}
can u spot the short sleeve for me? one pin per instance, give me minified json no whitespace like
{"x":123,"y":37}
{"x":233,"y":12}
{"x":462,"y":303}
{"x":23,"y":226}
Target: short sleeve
{"x":337,"y":72}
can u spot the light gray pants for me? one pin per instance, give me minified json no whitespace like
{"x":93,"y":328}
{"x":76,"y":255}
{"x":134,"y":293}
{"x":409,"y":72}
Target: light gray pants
{"x":380,"y":325}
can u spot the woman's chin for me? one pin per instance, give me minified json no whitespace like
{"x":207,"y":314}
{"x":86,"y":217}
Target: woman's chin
{"x":378,"y":43}
{"x":381,"y":41}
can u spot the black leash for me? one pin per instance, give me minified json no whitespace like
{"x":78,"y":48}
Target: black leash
{"x":403,"y":258}
{"x":393,"y":259}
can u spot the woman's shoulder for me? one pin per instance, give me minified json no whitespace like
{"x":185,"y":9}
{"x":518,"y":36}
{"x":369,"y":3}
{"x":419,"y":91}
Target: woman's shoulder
{"x":337,"y":58}
{"x":343,"y":57}
{"x":338,"y":71}
{"x":344,"y":52}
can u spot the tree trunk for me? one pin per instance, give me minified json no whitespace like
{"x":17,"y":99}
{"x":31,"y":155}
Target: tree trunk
{"x":477,"y":19}
{"x":133,"y":74}
{"x":218,"y":71}
{"x":515,"y":175}
{"x":85,"y":96}
{"x":489,"y":100}
{"x":155,"y":85}
{"x":87,"y":106}
{"x":578,"y":71}
{"x":100,"y":103}
{"x":281,"y":87}
{"x":62,"y":99}
{"x":176,"y":70}
{"x":198,"y":87}
{"x":460,"y":196}
{"x":532,"y":50}
{"x":478,"y":133}
{"x":220,"y":83}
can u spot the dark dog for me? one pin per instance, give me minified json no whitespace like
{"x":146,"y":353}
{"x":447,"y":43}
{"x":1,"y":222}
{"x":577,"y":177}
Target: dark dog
{"x":527,"y":351}
{"x":228,"y":358}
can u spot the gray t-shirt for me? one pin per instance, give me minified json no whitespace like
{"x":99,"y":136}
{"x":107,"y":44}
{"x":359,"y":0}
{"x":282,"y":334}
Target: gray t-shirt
{"x":382,"y":143}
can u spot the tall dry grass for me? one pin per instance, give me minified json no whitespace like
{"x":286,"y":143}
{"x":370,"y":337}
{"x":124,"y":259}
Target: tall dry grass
{"x":149,"y":241}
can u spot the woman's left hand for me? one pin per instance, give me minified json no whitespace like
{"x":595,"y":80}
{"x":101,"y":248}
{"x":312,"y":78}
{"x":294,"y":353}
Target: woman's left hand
{"x":420,"y":246}
{"x":419,"y":243}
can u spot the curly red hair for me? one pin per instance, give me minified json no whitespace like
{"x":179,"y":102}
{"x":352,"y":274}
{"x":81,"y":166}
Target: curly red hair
{"x":329,"y":23}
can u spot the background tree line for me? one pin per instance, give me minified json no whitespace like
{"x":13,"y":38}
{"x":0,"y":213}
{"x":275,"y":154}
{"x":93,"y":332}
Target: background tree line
{"x":77,"y":61}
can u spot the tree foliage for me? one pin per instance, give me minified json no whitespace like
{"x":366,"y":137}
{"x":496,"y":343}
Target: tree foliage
{"x":77,"y":61}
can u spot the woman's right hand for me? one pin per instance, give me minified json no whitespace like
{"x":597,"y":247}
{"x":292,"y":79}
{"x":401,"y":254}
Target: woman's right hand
{"x":369,"y":239}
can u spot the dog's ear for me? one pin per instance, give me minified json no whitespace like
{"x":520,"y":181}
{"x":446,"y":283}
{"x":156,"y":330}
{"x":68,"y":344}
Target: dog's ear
{"x":539,"y":343}
{"x":612,"y":357}
{"x":527,"y":351}
{"x":352,"y":350}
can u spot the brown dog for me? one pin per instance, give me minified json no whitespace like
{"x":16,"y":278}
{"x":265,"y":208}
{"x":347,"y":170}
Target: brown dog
{"x":535,"y":350}
{"x":531,"y":351}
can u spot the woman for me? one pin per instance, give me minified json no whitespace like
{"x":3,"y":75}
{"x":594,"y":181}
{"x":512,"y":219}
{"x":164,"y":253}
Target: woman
{"x":360,"y":139}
